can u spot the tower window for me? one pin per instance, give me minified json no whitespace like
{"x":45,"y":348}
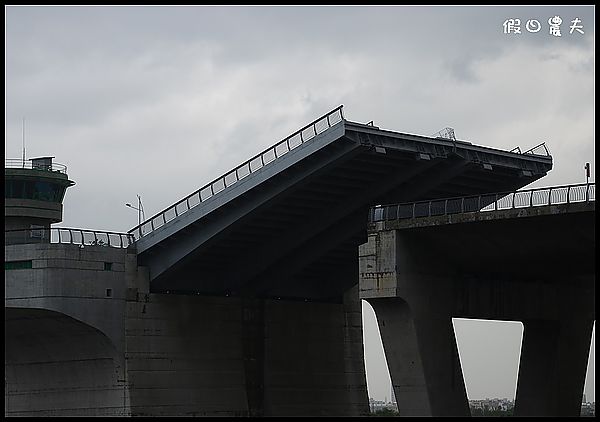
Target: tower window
{"x":17,"y":265}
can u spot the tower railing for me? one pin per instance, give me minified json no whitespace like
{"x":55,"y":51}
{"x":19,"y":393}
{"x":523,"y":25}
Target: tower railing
{"x":250,"y":166}
{"x":584,"y":192}
{"x":67,"y":235}
{"x":29,"y":164}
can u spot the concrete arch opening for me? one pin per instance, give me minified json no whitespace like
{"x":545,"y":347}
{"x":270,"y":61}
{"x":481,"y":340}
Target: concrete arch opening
{"x":379,"y":383}
{"x":489,"y":352}
{"x":56,"y":365}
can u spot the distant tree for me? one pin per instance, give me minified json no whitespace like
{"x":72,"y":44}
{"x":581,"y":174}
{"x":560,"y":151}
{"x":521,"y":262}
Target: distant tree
{"x":491,"y":412}
{"x":476,"y":411}
{"x":385,"y":412}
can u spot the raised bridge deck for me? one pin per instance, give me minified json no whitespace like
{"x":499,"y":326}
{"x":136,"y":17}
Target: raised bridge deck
{"x":287,"y":222}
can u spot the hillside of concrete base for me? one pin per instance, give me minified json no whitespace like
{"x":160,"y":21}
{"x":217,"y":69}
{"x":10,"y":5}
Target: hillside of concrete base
{"x":84,"y":336}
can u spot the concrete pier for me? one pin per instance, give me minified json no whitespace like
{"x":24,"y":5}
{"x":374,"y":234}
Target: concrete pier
{"x":534,"y":265}
{"x":554,"y":358}
{"x":422,"y":358}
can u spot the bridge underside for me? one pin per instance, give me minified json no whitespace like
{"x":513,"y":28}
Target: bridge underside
{"x":295,"y":235}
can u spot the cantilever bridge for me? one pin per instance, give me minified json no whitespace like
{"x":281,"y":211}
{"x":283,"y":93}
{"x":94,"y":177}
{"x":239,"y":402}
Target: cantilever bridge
{"x":287,"y":222}
{"x":291,"y":240}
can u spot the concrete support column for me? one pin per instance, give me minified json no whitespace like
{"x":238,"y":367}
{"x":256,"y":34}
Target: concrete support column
{"x":356,"y":380}
{"x":313,"y":359}
{"x":554,"y":357}
{"x":422,"y":358}
{"x":253,"y":341}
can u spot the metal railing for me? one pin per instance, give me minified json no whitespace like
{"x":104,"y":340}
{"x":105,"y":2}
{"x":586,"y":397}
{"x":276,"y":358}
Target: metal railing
{"x":540,"y":149}
{"x":68,"y":236}
{"x":486,"y":202}
{"x":28,"y":164}
{"x":252,"y":165}
{"x":446,"y":133}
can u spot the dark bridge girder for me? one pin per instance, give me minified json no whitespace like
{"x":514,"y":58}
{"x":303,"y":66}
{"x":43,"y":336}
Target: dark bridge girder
{"x":292,"y":229}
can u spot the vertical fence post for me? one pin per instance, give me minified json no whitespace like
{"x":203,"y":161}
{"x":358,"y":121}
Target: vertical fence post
{"x":513,"y":201}
{"x":550,"y":196}
{"x":568,"y":193}
{"x":446,"y":207}
{"x":587,"y":192}
{"x":429,"y":215}
{"x":531,"y":198}
{"x":462,"y":204}
{"x":496,"y":203}
{"x":414,"y":207}
{"x":479,"y":203}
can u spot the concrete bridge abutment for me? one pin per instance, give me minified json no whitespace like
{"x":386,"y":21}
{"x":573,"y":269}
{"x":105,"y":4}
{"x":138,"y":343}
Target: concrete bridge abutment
{"x":85,"y":336}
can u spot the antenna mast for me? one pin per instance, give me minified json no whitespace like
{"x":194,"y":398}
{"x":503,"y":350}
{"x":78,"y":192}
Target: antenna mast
{"x":23,"y":131}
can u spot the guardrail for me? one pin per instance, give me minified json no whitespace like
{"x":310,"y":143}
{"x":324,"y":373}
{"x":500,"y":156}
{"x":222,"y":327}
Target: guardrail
{"x":28,"y":164}
{"x":252,"y":165}
{"x":540,"y":149}
{"x":68,"y":236}
{"x":486,"y":202}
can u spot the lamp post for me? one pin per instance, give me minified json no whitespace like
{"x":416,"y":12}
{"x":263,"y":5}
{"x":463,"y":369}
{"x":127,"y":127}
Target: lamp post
{"x":587,"y":181}
{"x":139,"y":209}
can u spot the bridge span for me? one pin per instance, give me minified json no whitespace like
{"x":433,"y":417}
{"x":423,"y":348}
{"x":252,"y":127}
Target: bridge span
{"x":525,"y":256}
{"x":287,"y":222}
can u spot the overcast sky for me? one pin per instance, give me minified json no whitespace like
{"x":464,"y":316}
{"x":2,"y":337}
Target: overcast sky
{"x":158,"y":101}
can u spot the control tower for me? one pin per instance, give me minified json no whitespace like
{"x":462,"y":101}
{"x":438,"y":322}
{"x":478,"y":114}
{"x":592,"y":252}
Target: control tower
{"x":33,"y":192}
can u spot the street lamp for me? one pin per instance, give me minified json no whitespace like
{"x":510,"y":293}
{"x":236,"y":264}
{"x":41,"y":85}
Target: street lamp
{"x":587,"y":181}
{"x":587,"y":173}
{"x":140,"y":210}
